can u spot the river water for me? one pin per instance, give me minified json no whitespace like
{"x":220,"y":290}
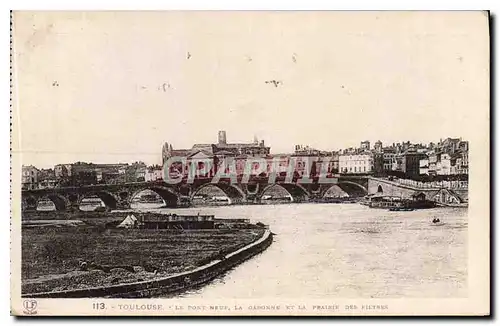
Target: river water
{"x":347,"y":251}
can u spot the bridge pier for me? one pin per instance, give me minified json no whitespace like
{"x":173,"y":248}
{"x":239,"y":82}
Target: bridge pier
{"x":122,"y":204}
{"x":250,"y":198}
{"x":28,"y":209}
{"x":72,"y":207}
{"x":28,"y":203}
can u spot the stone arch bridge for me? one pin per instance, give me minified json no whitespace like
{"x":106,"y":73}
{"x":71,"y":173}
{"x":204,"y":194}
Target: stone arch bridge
{"x":119,"y":196}
{"x":437,"y":194}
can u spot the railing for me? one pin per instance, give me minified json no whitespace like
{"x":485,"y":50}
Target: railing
{"x":458,"y":185}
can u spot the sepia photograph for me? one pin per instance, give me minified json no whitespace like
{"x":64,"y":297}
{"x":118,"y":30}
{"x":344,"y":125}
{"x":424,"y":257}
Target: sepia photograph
{"x":250,"y":163}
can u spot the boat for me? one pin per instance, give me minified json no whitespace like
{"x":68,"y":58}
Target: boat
{"x":395,"y":203}
{"x":378,"y":201}
{"x":404,"y":209}
{"x":437,"y":222}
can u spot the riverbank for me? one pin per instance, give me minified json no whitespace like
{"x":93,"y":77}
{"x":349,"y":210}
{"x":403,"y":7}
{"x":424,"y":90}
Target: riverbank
{"x":83,"y":256}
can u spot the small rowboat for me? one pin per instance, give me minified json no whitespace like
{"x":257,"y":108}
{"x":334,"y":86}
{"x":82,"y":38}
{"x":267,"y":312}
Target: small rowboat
{"x":437,"y":222}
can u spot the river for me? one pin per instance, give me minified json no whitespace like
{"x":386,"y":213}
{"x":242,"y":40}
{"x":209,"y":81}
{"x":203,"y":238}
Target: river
{"x":347,"y":251}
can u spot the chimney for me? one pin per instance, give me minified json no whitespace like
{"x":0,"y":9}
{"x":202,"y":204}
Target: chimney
{"x":222,"y":137}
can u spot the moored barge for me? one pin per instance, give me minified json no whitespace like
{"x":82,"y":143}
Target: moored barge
{"x":394,"y":203}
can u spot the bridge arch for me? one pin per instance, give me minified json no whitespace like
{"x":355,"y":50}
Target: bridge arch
{"x":271,"y":186}
{"x":354,"y":189}
{"x":60,"y":202}
{"x":380,"y":189}
{"x":231,"y":191}
{"x":169,"y":196}
{"x":109,"y":200}
{"x":331,"y":189}
{"x":297,"y":191}
{"x":446,"y":196}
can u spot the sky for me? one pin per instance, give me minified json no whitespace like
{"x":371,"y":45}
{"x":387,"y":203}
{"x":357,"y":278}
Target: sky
{"x":110,"y":87}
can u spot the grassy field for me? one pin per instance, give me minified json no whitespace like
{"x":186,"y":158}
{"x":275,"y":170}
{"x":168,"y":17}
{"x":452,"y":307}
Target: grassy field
{"x":52,"y":256}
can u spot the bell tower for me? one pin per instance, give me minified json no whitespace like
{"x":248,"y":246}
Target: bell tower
{"x":222,"y":137}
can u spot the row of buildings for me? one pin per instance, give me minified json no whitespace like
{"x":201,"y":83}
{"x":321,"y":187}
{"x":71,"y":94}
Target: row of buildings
{"x":407,"y":160}
{"x":213,"y":155}
{"x":81,"y":173}
{"x":404,"y":159}
{"x":446,"y":157}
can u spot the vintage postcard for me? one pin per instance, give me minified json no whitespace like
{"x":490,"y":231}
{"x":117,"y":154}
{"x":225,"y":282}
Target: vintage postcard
{"x":250,"y":163}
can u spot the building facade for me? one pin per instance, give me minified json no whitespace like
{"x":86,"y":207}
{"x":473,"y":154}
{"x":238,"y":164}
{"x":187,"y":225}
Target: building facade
{"x":82,"y":173}
{"x":388,"y":157}
{"x":335,"y":162}
{"x":306,"y":150}
{"x":397,"y":162}
{"x":62,"y":170}
{"x":356,"y":163}
{"x":154,"y":173}
{"x":448,"y":157}
{"x":378,"y":163}
{"x":211,"y":156}
{"x":463,"y":162}
{"x":46,"y":179}
{"x":29,"y":177}
{"x":411,"y":162}
{"x":424,"y":166}
{"x":443,"y":166}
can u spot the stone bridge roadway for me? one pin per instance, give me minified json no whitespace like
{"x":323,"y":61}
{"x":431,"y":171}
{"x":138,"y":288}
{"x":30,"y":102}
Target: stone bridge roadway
{"x":119,"y":196}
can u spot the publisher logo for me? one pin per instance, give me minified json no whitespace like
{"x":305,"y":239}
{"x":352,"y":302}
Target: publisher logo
{"x":30,"y":306}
